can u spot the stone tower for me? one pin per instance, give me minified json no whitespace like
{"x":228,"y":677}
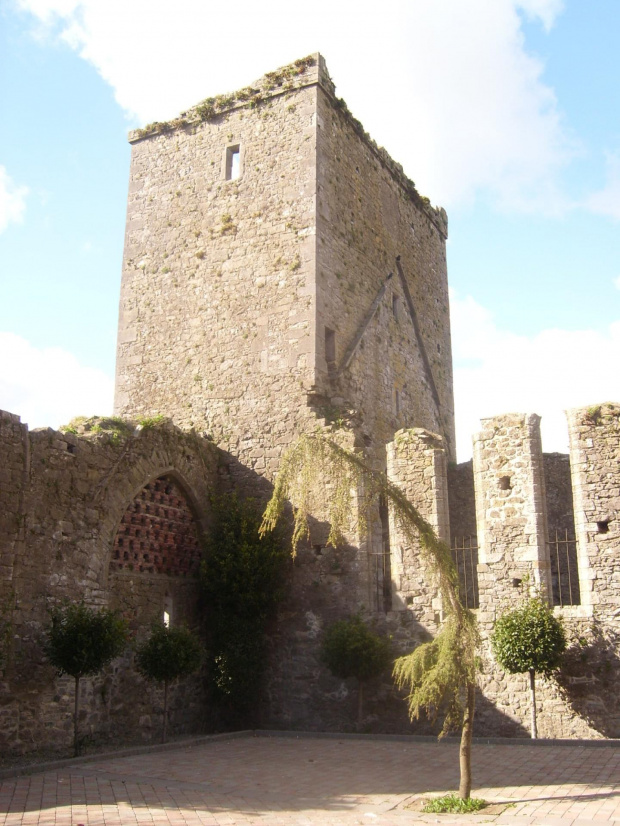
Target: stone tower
{"x":280,"y":266}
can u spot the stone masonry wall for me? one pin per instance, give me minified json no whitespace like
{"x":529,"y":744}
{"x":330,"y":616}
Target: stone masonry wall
{"x":514,"y":561}
{"x":69,"y":494}
{"x":595,"y":453}
{"x":228,"y":286}
{"x":417,"y":464}
{"x":217,"y":302}
{"x":592,"y":669}
{"x":367,"y":215}
{"x":510,"y":505}
{"x":14,"y":450}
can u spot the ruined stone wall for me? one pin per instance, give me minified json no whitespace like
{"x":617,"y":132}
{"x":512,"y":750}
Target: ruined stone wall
{"x":301,"y":692}
{"x":13,"y":448}
{"x":72,"y":493}
{"x":592,"y":669}
{"x":368,"y":213}
{"x":595,"y":452}
{"x":417,"y":465}
{"x":512,"y":531}
{"x":510,"y":505}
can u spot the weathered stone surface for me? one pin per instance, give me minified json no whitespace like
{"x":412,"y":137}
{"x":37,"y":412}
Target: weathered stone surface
{"x":311,"y":290}
{"x":66,"y":507}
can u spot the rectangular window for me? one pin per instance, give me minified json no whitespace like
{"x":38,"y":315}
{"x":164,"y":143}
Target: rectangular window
{"x":396,"y":307}
{"x":330,"y":347}
{"x":397,"y":401}
{"x":167,"y":611}
{"x":233,"y":162}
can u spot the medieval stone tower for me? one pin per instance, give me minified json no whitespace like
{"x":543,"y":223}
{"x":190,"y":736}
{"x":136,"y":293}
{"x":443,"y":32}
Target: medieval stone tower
{"x":261,"y":286}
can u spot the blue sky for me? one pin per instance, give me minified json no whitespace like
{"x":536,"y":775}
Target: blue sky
{"x":504,"y":112}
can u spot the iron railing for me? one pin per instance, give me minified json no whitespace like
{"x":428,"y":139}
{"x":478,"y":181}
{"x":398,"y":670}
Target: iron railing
{"x":564,"y":568}
{"x":465,"y":556}
{"x":383,"y":581}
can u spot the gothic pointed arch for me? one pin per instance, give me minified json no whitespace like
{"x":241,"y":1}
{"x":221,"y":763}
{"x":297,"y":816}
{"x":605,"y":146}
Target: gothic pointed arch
{"x":158,"y":533}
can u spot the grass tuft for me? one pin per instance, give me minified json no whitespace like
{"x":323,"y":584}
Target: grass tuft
{"x":453,"y":804}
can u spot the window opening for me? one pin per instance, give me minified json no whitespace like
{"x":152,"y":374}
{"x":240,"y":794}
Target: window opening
{"x":396,"y":307}
{"x":465,"y":555}
{"x":383,"y":572}
{"x":564,"y":568}
{"x":233,"y":162}
{"x":330,"y":347}
{"x":167,"y":610}
{"x":397,"y":402}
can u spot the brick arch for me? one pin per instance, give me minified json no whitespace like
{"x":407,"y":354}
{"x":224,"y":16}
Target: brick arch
{"x":159,"y":532}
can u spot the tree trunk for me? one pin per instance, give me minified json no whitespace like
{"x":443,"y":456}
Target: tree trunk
{"x":466,"y":738}
{"x":533,"y":703}
{"x":360,"y":703}
{"x":76,"y":710}
{"x":165,"y":731}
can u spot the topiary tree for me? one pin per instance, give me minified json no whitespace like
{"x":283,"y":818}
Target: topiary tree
{"x":242,"y":578}
{"x":80,"y":641}
{"x":167,"y":655}
{"x":529,"y":638}
{"x":351,"y":649}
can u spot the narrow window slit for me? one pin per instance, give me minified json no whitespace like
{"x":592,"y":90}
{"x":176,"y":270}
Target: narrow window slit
{"x":330,"y":347}
{"x":233,"y":162}
{"x":396,"y":307}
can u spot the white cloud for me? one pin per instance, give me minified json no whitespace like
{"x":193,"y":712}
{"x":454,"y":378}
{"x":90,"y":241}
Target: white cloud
{"x":446,"y":85}
{"x":12,"y":201}
{"x":498,"y":372}
{"x":48,"y":387}
{"x":617,"y":282}
{"x":545,"y":10}
{"x":607,"y":200}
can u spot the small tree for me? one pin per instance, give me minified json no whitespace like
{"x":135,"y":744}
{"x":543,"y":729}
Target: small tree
{"x":80,"y":641}
{"x":167,"y":655}
{"x":351,"y":649}
{"x":530,"y":638}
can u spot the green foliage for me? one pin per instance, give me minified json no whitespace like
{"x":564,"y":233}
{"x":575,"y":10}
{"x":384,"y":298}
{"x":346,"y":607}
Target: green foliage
{"x":528,"y":638}
{"x":81,"y":641}
{"x":169,"y":653}
{"x":242,"y":578}
{"x":147,"y":422}
{"x":436,"y":672}
{"x":453,"y":804}
{"x":115,"y":426}
{"x":351,"y":649}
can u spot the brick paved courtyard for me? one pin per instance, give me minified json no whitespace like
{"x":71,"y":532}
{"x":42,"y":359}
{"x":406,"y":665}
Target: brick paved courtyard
{"x":277,"y":781}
